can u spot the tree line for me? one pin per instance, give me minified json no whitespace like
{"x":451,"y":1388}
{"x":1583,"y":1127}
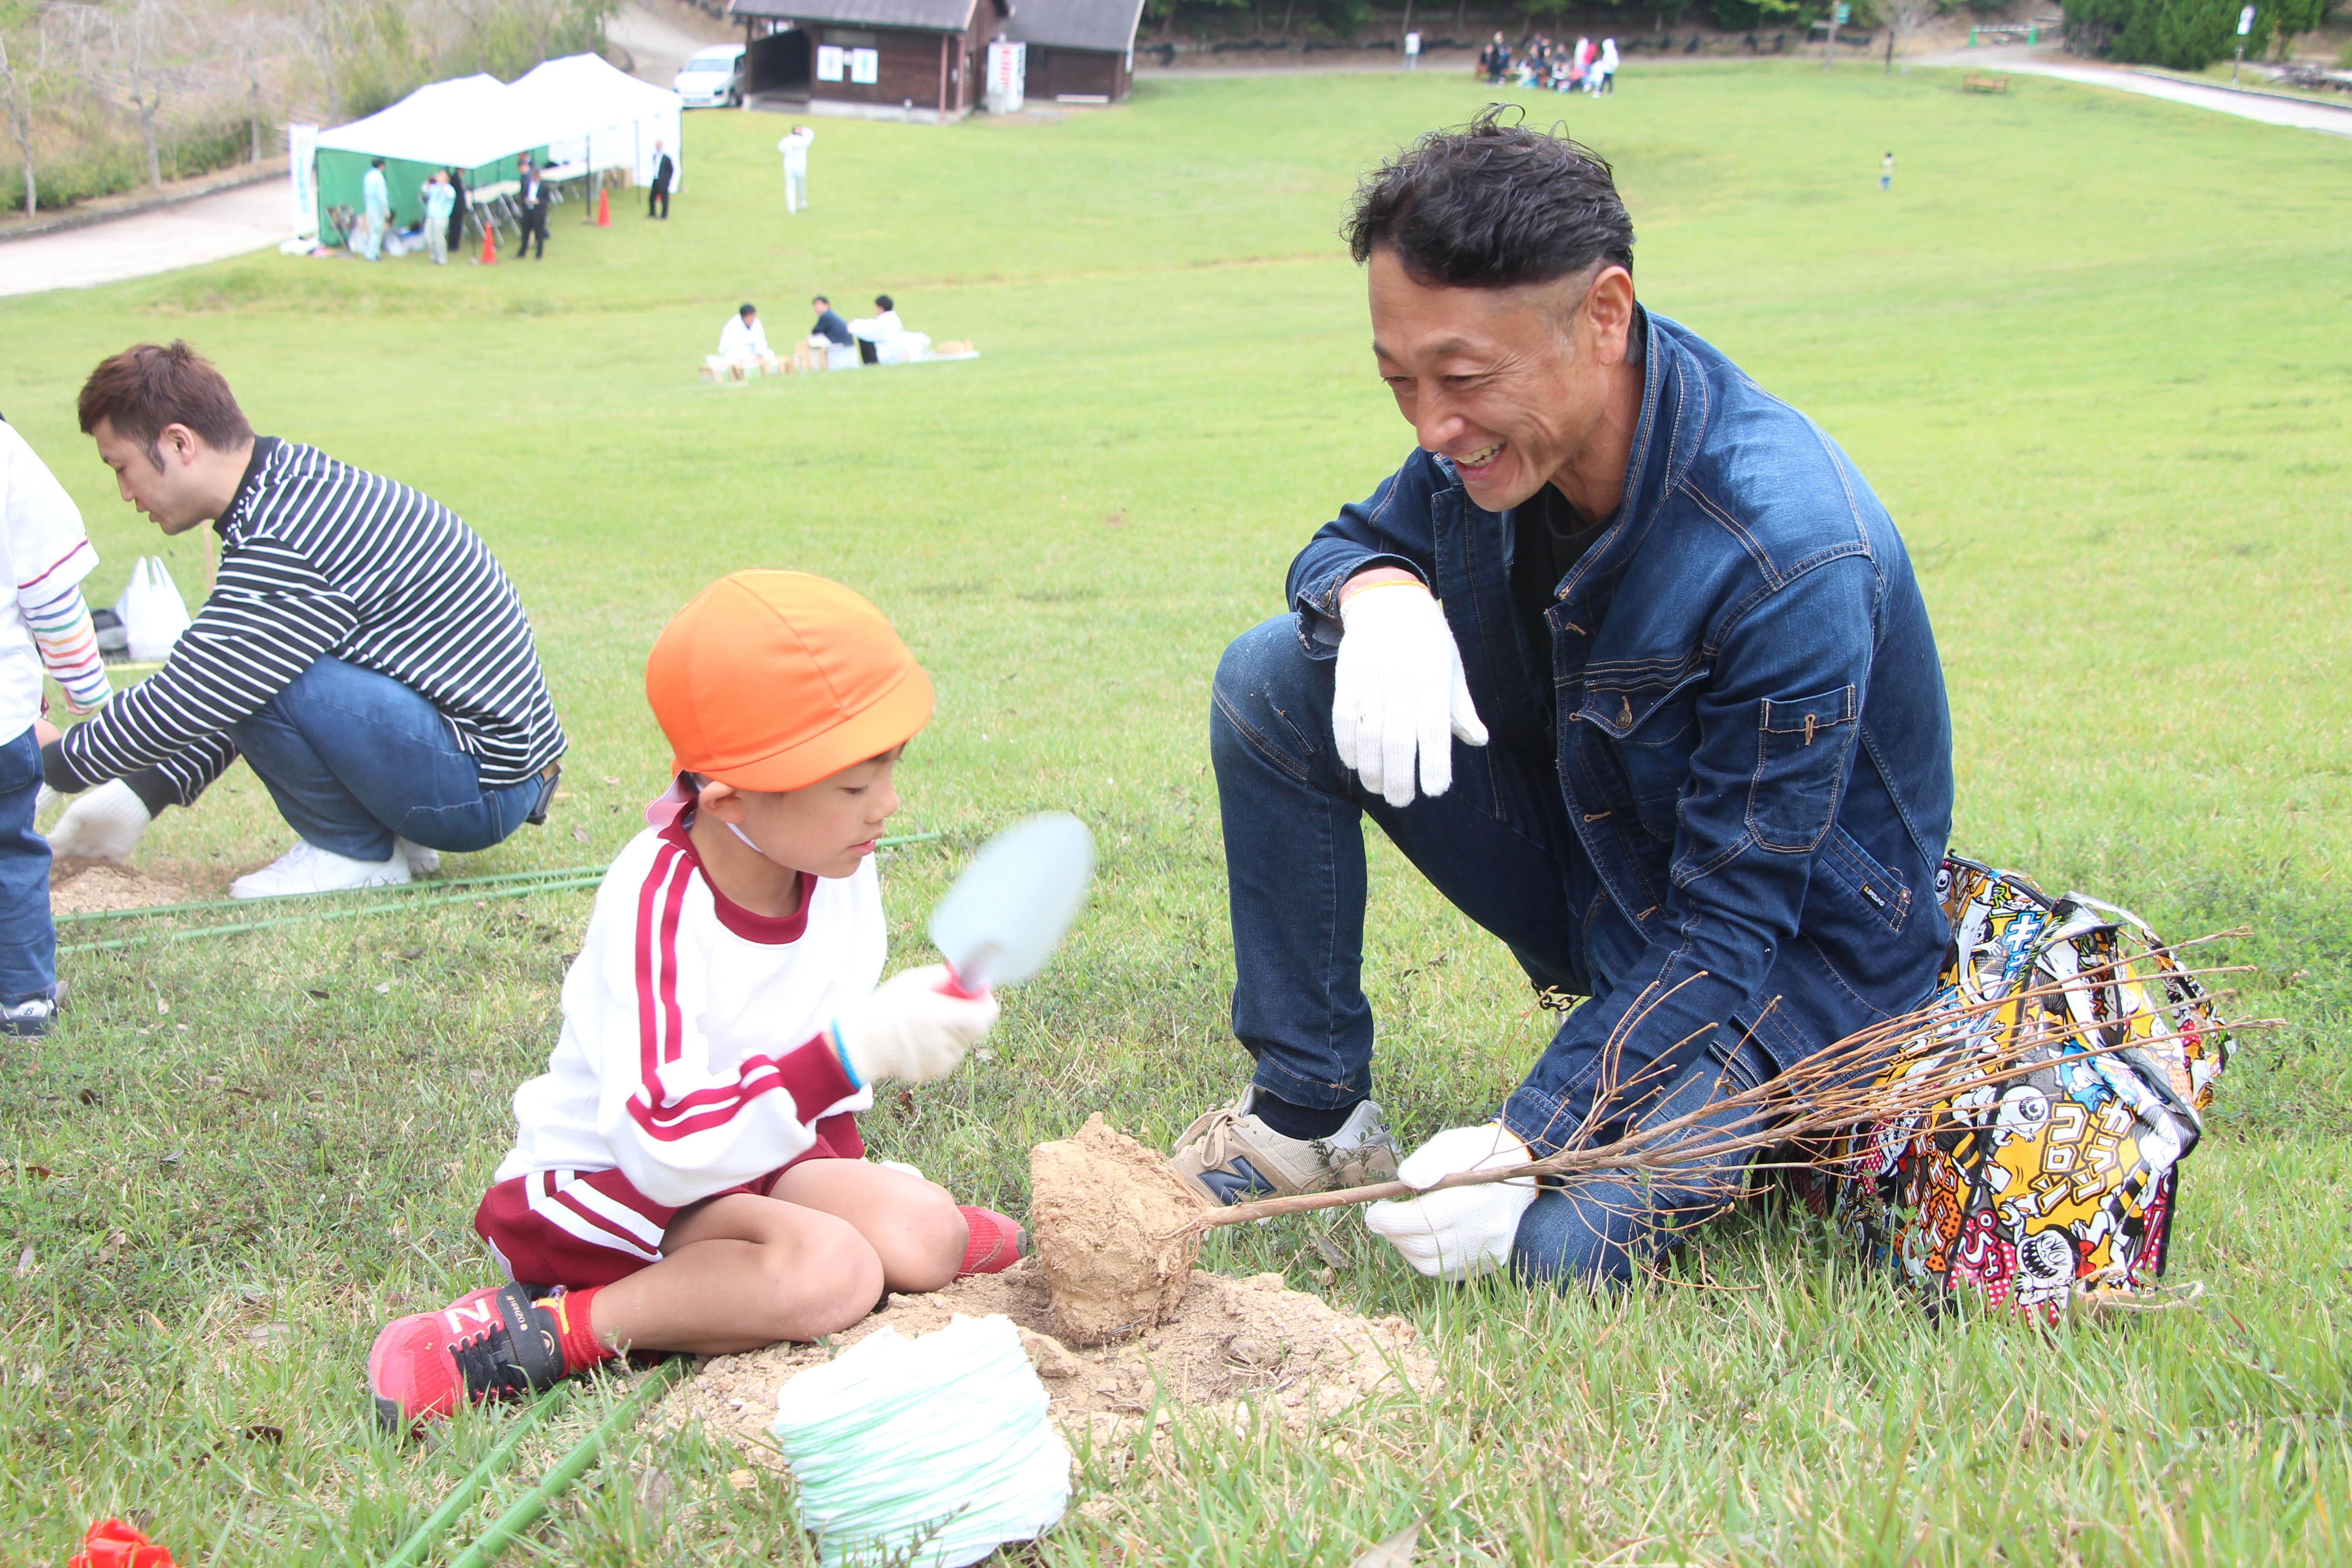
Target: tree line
{"x":103,"y":96}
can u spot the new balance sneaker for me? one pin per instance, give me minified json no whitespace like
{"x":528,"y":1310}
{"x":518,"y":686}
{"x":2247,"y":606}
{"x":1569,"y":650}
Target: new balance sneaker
{"x":997,"y":1243}
{"x":28,"y":1018}
{"x":1229,"y":1156}
{"x":422,"y":862}
{"x":307,"y":868}
{"x":493,"y":1344}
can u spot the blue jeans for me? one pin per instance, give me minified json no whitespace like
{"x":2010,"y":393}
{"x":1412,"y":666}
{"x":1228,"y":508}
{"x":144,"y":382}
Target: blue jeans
{"x":354,"y":758}
{"x":28,"y":941}
{"x":1497,"y":845}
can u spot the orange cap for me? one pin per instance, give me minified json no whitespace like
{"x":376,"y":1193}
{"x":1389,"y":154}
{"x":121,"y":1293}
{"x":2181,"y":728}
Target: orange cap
{"x":770,"y":681}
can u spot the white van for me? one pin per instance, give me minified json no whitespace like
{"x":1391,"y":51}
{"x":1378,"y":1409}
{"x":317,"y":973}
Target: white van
{"x":713,"y":77}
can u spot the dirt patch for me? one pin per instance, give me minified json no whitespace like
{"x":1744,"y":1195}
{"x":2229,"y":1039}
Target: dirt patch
{"x":79,"y":887}
{"x":1109,"y":1218}
{"x":1298,"y":1358}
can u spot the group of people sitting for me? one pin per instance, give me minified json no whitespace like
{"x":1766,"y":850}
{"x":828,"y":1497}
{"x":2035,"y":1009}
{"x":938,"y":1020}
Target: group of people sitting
{"x":1541,"y":63}
{"x":833,"y":344}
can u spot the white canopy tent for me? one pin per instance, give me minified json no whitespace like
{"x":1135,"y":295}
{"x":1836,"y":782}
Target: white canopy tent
{"x":458,"y":124}
{"x":597,"y":116}
{"x":587,"y":115}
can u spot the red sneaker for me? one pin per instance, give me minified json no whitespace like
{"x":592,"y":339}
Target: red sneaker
{"x":492,"y":1343}
{"x":997,"y":1243}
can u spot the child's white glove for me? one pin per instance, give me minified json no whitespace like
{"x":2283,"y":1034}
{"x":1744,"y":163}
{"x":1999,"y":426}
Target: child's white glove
{"x":1462,"y":1232}
{"x":102,"y":823}
{"x":1399,"y":690}
{"x":912,"y":1029}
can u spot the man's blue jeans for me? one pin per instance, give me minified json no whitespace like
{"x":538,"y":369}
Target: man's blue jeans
{"x":1497,"y":845}
{"x":28,"y":941}
{"x":354,"y":758}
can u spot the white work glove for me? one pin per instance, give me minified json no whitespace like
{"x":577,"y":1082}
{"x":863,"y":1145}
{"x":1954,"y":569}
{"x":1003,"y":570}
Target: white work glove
{"x":102,"y":823}
{"x":911,"y":1029}
{"x":1462,"y":1232}
{"x":1399,"y":690}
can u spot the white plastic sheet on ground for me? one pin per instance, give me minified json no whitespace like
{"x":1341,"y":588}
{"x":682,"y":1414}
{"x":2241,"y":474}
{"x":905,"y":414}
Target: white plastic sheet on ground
{"x":931,"y":1451}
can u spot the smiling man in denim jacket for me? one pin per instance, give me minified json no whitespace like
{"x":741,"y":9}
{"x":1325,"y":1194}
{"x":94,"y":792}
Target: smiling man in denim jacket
{"x":1652,"y":653}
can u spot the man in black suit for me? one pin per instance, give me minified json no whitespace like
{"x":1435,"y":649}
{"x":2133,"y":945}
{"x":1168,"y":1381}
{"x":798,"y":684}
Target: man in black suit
{"x":663,"y":170}
{"x":457,"y":213}
{"x":531,"y":200}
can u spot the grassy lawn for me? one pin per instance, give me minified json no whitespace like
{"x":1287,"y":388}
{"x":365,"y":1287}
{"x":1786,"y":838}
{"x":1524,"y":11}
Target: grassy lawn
{"x":2090,"y":351}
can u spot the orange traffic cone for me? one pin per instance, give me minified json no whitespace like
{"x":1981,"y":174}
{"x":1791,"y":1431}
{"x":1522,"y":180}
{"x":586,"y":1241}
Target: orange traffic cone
{"x":489,"y":247}
{"x":603,"y":208}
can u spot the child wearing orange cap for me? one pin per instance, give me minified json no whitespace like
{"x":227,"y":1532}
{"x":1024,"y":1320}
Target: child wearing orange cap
{"x":688,"y":1173}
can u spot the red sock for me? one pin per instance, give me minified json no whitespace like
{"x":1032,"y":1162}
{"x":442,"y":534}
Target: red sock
{"x":997,"y":1242}
{"x":581,"y":1348}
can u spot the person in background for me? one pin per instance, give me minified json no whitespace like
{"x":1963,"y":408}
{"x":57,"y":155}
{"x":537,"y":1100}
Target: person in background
{"x":440,"y":201}
{"x":1887,"y":170}
{"x":829,"y":334}
{"x":794,"y":147}
{"x":456,"y":228}
{"x":44,"y":625}
{"x":361,"y":649}
{"x":531,"y":201}
{"x":665,"y":170}
{"x":1493,"y":60}
{"x":377,"y":200}
{"x":1605,"y":69}
{"x":1412,"y":51}
{"x":744,"y":345}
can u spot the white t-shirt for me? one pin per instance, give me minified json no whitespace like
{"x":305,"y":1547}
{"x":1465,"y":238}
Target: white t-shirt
{"x":794,"y":147}
{"x":43,"y":551}
{"x":695,"y":1055}
{"x":741,"y":340}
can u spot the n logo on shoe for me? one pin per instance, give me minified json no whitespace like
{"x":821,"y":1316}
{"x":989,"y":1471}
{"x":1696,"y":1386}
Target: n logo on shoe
{"x":1238,"y":1180}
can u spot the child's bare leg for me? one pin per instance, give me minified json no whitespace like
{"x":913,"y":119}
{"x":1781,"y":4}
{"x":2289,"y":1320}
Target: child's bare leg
{"x":911,"y":1224}
{"x":741,"y":1272}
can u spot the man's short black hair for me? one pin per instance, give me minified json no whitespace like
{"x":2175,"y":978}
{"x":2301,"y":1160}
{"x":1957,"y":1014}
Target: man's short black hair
{"x":1492,"y":204}
{"x":882,"y":302}
{"x":746,"y":310}
{"x":820,"y":300}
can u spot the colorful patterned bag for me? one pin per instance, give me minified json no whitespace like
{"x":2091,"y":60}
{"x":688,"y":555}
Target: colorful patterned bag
{"x":2060,"y":1183}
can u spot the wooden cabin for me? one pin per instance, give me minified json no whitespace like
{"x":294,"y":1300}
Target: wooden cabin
{"x":1079,"y":51}
{"x":877,"y":59}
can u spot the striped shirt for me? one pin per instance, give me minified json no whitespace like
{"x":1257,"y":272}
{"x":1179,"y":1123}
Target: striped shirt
{"x":322,"y":560}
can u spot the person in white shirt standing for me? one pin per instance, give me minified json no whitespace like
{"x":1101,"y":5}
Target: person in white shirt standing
{"x":688,"y":1174}
{"x":440,"y":201}
{"x":377,"y":201}
{"x":794,"y":147}
{"x":44,"y":623}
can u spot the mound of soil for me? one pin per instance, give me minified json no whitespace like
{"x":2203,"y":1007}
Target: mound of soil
{"x":1228,"y":1341}
{"x":1108,"y":1219}
{"x":86,"y":887}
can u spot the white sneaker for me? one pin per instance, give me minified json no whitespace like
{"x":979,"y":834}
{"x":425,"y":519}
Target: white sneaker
{"x":307,"y":868}
{"x":422,"y":862}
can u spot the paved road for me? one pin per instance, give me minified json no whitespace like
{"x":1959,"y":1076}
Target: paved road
{"x":659,"y":47}
{"x":2302,"y":115}
{"x":229,"y":223}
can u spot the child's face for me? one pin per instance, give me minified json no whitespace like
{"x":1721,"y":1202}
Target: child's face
{"x":827,"y":827}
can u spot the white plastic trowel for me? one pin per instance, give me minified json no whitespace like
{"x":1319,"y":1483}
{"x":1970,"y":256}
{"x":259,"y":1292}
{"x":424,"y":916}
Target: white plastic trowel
{"x":1007,"y":912}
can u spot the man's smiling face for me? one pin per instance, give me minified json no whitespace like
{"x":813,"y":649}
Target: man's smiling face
{"x":1510,"y":385}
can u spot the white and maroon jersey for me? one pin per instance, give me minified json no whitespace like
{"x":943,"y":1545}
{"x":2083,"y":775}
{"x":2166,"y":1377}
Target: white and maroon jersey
{"x":695,"y":1054}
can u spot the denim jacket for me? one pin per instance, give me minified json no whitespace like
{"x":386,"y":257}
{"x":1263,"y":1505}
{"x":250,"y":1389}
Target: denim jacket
{"x":1749,"y":718}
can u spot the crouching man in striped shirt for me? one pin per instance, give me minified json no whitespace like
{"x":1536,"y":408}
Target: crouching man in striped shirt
{"x":361,"y":649}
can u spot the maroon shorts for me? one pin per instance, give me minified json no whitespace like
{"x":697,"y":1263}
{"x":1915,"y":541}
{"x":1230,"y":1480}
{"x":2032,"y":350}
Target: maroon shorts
{"x":584,"y":1228}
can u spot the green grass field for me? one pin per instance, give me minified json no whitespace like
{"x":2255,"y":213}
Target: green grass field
{"x":2090,"y":350}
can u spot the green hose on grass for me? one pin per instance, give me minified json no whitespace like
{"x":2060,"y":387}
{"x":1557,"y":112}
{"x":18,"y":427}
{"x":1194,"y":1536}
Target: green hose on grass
{"x":508,"y":885}
{"x":526,"y":1510}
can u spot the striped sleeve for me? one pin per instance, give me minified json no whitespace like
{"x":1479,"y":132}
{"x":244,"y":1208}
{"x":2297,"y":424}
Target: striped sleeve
{"x":62,"y":629}
{"x":680,"y":1126}
{"x":270,"y":617}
